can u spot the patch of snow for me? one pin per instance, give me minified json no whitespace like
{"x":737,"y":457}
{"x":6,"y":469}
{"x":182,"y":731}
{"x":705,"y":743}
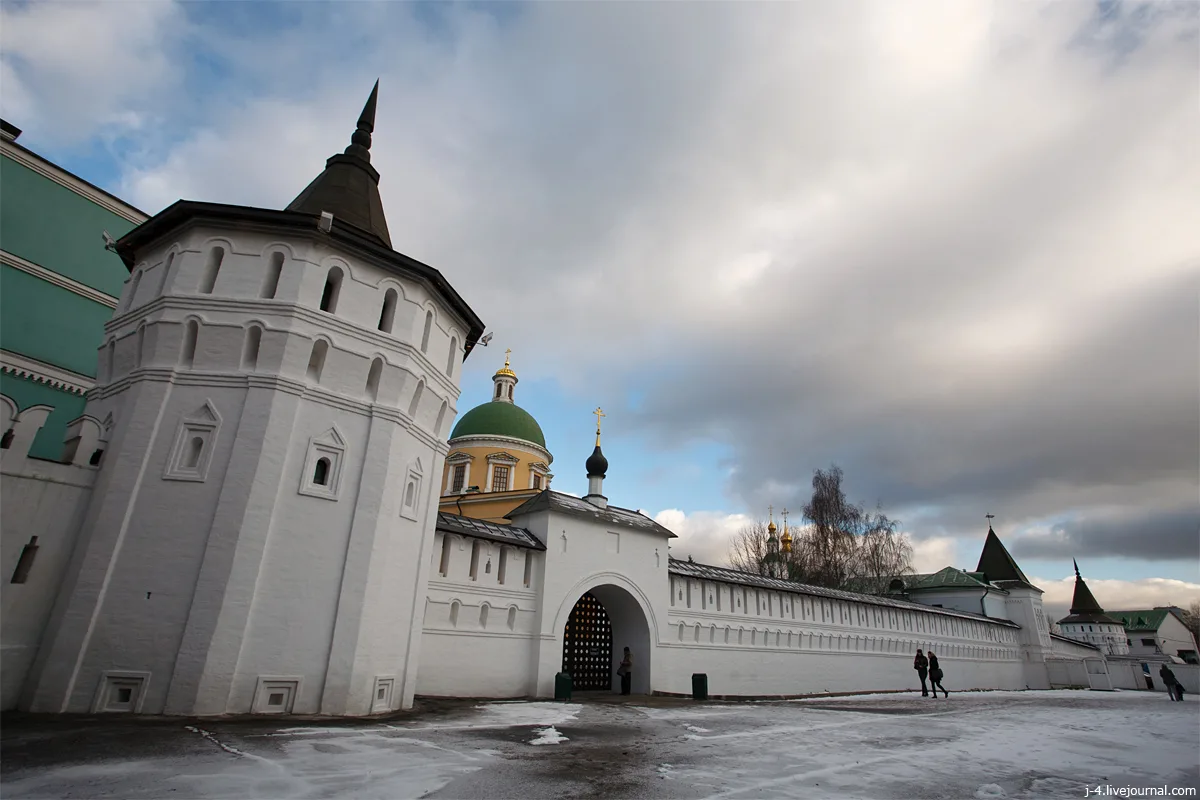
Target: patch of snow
{"x":989,"y":791}
{"x":548,"y":736}
{"x":503,"y":715}
{"x":214,"y":740}
{"x":695,"y":729}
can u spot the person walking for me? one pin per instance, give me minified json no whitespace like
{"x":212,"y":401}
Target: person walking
{"x":921,"y":665}
{"x":625,"y":670}
{"x":1173,"y":686}
{"x":935,"y":675}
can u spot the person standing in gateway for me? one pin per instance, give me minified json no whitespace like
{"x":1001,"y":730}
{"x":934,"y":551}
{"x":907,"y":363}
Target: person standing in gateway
{"x":625,"y":670}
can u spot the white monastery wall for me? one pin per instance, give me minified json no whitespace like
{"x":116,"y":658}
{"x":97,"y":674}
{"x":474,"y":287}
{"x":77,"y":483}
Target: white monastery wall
{"x":41,"y":509}
{"x":991,"y":604}
{"x":479,"y":633}
{"x":755,"y":641}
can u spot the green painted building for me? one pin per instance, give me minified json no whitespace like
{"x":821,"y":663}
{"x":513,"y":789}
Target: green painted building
{"x":59,"y":284}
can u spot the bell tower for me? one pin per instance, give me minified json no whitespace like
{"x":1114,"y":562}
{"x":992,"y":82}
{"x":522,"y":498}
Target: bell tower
{"x":280,"y":385}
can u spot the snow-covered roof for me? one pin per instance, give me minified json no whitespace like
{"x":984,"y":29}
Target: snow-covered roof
{"x":707,"y":572}
{"x":550,"y":500}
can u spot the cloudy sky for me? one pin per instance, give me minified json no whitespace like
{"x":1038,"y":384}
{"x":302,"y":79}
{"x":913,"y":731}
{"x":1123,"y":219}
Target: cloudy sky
{"x":949,"y":246}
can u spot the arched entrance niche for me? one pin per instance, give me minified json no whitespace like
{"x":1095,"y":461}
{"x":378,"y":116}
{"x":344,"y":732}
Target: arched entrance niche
{"x":610,"y":607}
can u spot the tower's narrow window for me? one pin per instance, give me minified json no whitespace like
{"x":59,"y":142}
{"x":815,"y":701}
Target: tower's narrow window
{"x":454,"y":612}
{"x":333,"y":286}
{"x":211,"y":267}
{"x":475,"y":560}
{"x":460,"y":477}
{"x":250,"y":348}
{"x":388,"y":315}
{"x":428,"y":329}
{"x":190,"y":335}
{"x":437,"y":423}
{"x":274,"y":273}
{"x":444,"y":566}
{"x":499,"y":389}
{"x":141,"y":345}
{"x":528,"y":569}
{"x":316,"y":361}
{"x":502,"y":569}
{"x":195,"y":448}
{"x":373,"y":378}
{"x":452,"y":356}
{"x":321,"y":472}
{"x":166,"y":274}
{"x":415,"y":403}
{"x":133,"y":289}
{"x":410,"y":494}
{"x":537,"y":481}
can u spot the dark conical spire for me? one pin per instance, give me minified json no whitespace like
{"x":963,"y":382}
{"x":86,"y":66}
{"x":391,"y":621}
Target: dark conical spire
{"x":1084,"y":607}
{"x":996,"y":563}
{"x":360,"y":140}
{"x":349,"y":186}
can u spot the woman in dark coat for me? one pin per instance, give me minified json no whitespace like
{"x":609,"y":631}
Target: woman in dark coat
{"x":921,"y":665}
{"x":935,"y":675}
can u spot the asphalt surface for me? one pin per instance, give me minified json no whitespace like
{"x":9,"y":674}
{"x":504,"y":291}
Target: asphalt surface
{"x":974,"y":745}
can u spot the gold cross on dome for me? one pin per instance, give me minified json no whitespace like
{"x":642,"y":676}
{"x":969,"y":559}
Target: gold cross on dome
{"x":598,"y":414}
{"x":771,"y":512}
{"x":507,"y":353}
{"x":785,"y":515}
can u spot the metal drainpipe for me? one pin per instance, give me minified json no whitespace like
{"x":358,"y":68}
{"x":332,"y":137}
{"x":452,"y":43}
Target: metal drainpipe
{"x":982,"y":607}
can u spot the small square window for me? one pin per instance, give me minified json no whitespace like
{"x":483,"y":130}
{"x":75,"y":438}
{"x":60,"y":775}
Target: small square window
{"x":323,"y":465}
{"x":276,"y":699}
{"x":120,"y":692}
{"x":192,"y":451}
{"x":275,"y":695}
{"x":383,"y":694}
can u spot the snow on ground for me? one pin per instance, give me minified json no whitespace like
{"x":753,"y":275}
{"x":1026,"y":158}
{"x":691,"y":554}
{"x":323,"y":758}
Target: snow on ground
{"x":548,"y":736}
{"x":984,"y":745}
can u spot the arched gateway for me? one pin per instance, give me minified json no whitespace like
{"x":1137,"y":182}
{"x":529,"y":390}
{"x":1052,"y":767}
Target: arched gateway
{"x":603,"y":622}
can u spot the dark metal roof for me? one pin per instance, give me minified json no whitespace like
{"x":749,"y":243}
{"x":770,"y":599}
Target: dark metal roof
{"x":726,"y":575}
{"x":295,"y":223}
{"x":1074,"y":641}
{"x":1084,"y":607}
{"x":493,"y":532}
{"x":998,"y":566}
{"x":348,"y":188}
{"x":569,"y":504}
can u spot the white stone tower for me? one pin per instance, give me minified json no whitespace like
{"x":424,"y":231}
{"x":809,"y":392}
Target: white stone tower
{"x":1023,"y":605}
{"x":278,"y":386}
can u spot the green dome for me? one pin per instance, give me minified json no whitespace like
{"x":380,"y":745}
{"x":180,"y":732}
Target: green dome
{"x":500,"y":419}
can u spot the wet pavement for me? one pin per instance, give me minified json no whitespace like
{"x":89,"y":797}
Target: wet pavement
{"x":981,"y":744}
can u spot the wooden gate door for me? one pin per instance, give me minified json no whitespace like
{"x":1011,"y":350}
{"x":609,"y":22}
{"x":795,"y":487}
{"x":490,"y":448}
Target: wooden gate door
{"x":587,"y":645}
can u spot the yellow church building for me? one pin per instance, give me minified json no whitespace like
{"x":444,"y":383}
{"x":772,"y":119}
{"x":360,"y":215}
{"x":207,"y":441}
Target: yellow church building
{"x":498,"y":457}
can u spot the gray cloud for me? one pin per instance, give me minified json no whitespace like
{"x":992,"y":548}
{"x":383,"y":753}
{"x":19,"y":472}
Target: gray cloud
{"x":949,"y":246}
{"x":1160,"y":536}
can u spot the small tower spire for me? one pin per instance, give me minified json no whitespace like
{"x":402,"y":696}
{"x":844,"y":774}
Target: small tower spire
{"x":990,"y":517}
{"x":360,"y":140}
{"x":504,"y":379}
{"x":1076,"y":564}
{"x":597,"y":468}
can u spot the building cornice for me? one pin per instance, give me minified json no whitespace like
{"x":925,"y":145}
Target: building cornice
{"x":31,"y":160}
{"x":500,"y":442}
{"x":40,"y":372}
{"x":50,"y":276}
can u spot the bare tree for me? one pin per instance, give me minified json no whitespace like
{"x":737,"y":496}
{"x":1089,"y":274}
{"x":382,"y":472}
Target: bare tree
{"x":748,"y":548}
{"x":1191,"y":618}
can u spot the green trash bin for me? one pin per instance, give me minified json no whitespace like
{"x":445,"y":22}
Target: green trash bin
{"x":562,"y":686}
{"x":699,"y":686}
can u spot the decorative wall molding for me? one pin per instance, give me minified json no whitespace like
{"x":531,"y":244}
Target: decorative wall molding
{"x":40,"y":372}
{"x":62,"y":281}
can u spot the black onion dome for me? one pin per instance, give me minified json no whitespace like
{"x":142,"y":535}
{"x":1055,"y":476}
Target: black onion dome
{"x":597,"y":464}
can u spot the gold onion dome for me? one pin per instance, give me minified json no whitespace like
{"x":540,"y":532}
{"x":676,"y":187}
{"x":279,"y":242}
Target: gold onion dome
{"x":505,"y":370}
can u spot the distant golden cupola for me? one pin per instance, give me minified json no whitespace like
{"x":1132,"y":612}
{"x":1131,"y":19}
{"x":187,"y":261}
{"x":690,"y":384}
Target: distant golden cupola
{"x":506,"y":370}
{"x":785,"y":541}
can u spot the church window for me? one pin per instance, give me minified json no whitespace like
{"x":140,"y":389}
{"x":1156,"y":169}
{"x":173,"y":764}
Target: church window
{"x":499,"y":389}
{"x":454,"y":613}
{"x":141,"y":345}
{"x":451,"y":357}
{"x":373,"y":379}
{"x":460,"y":477}
{"x":696,"y":633}
{"x":510,"y":391}
{"x":316,"y":361}
{"x":250,"y":348}
{"x":528,"y":570}
{"x":483,"y":615}
{"x":94,"y":461}
{"x":502,"y":567}
{"x":474,"y":560}
{"x":211,"y":267}
{"x":7,"y":440}
{"x":499,"y":478}
{"x":427,"y":331}
{"x":190,"y":335}
{"x":111,"y":359}
{"x":190,"y":455}
{"x":415,"y":403}
{"x":274,"y":273}
{"x":441,"y":417}
{"x":681,"y":629}
{"x":333,"y":287}
{"x":321,"y":472}
{"x":410,"y":494}
{"x":444,"y":565}
{"x":512,"y":617}
{"x":387,"y":314}
{"x":537,"y":481}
